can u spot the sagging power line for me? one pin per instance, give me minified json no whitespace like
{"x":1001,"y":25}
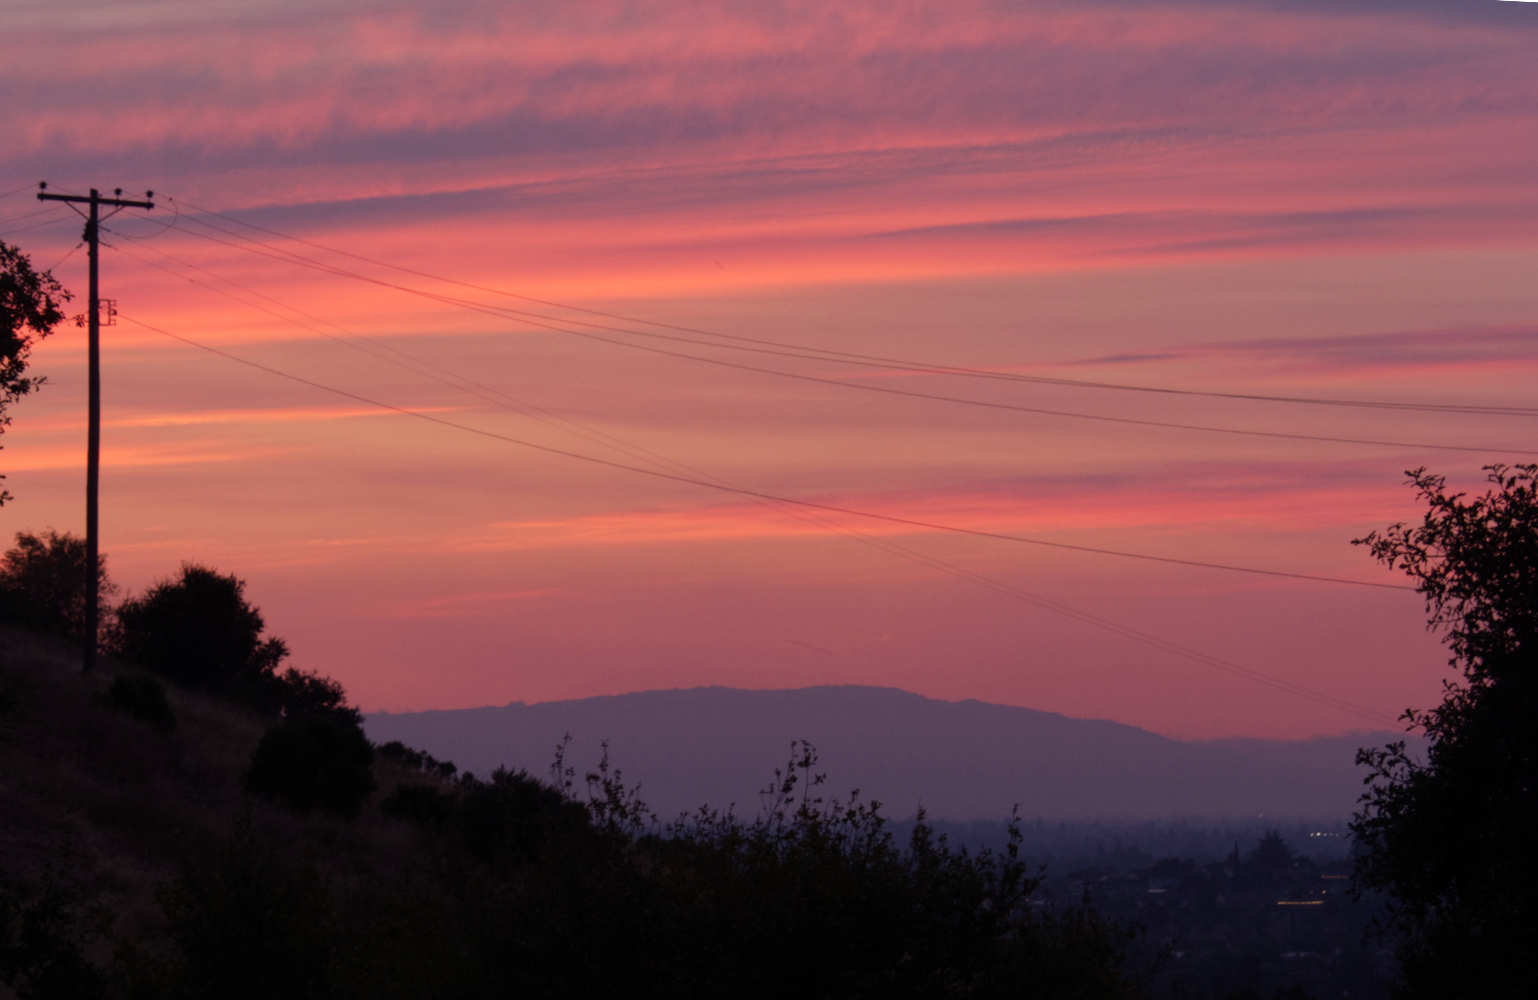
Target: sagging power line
{"x":1007,"y":589}
{"x":820,"y":353}
{"x":490,"y":394}
{"x":831,"y":508}
{"x":529,"y":320}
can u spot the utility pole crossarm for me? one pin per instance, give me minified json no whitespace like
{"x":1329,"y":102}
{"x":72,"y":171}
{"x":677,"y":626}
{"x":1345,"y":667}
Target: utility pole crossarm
{"x":86,"y":199}
{"x":93,"y":433}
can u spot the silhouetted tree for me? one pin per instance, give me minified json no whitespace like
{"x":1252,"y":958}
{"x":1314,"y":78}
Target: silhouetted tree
{"x":302,"y":693}
{"x":31,"y":305}
{"x":197,"y":630}
{"x":1451,"y":838}
{"x":43,"y":584}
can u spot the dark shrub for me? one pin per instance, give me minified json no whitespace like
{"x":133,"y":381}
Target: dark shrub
{"x":509,"y":818}
{"x":302,"y":693}
{"x":421,"y":760}
{"x":813,"y":898}
{"x":313,"y":762}
{"x":199,"y":631}
{"x":142,"y":698}
{"x":41,"y":945}
{"x":43,"y":584}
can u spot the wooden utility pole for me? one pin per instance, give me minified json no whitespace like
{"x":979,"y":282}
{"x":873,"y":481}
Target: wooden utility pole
{"x":93,"y":432}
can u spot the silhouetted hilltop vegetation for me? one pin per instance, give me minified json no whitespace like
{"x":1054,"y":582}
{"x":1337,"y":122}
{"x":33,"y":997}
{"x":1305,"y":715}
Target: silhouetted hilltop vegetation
{"x":198,"y":824}
{"x":191,"y":821}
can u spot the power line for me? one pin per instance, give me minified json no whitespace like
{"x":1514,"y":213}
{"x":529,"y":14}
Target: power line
{"x":59,"y":263}
{"x":460,"y":382}
{"x":833,"y":508}
{"x":526,"y":319}
{"x":977,"y":578}
{"x":46,"y":209}
{"x":36,"y":225}
{"x":869,"y":359}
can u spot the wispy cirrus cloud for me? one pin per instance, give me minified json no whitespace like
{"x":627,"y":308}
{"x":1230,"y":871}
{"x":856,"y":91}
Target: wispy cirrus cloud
{"x":1464,"y":351}
{"x":1235,"y":195}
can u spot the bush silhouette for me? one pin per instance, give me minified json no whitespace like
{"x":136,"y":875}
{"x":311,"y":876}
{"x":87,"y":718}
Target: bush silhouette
{"x":313,"y":762}
{"x":43,"y":582}
{"x":199,"y":631}
{"x":41,"y":953}
{"x":142,"y":698}
{"x":298,"y":693}
{"x":418,"y":759}
{"x":557,"y":896}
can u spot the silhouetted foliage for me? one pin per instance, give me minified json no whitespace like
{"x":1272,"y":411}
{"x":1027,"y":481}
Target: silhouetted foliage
{"x":514,"y":886}
{"x":43,"y":582}
{"x":811,"y":898}
{"x":41,"y":953}
{"x":418,"y":759}
{"x":300,"y":693}
{"x":199,"y":631}
{"x":31,"y":305}
{"x":1451,"y":838}
{"x":141,"y":698}
{"x":313,"y":762}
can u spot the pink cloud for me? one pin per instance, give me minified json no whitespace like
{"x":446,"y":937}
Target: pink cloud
{"x":1192,"y":194}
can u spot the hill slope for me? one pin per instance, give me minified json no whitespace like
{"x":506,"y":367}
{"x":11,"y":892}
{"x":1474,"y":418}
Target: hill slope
{"x":115,"y":809}
{"x":960,"y":760}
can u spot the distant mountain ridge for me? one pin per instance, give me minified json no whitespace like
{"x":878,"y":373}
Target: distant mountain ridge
{"x":959,"y":760}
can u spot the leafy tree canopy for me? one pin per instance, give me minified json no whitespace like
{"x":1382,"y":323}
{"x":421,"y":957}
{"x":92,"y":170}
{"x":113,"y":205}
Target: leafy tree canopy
{"x":31,"y":305}
{"x":43,"y":584}
{"x":1450,"y":837}
{"x":199,"y":631}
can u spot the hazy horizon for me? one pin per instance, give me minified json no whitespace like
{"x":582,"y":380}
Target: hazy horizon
{"x":960,"y":761}
{"x":1353,"y":731}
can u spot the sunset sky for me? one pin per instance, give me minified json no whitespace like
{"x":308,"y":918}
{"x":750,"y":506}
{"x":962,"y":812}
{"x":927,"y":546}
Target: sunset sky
{"x":1306,"y":199}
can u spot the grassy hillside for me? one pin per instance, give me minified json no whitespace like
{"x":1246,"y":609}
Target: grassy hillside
{"x":105,"y":808}
{"x":134,"y":864}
